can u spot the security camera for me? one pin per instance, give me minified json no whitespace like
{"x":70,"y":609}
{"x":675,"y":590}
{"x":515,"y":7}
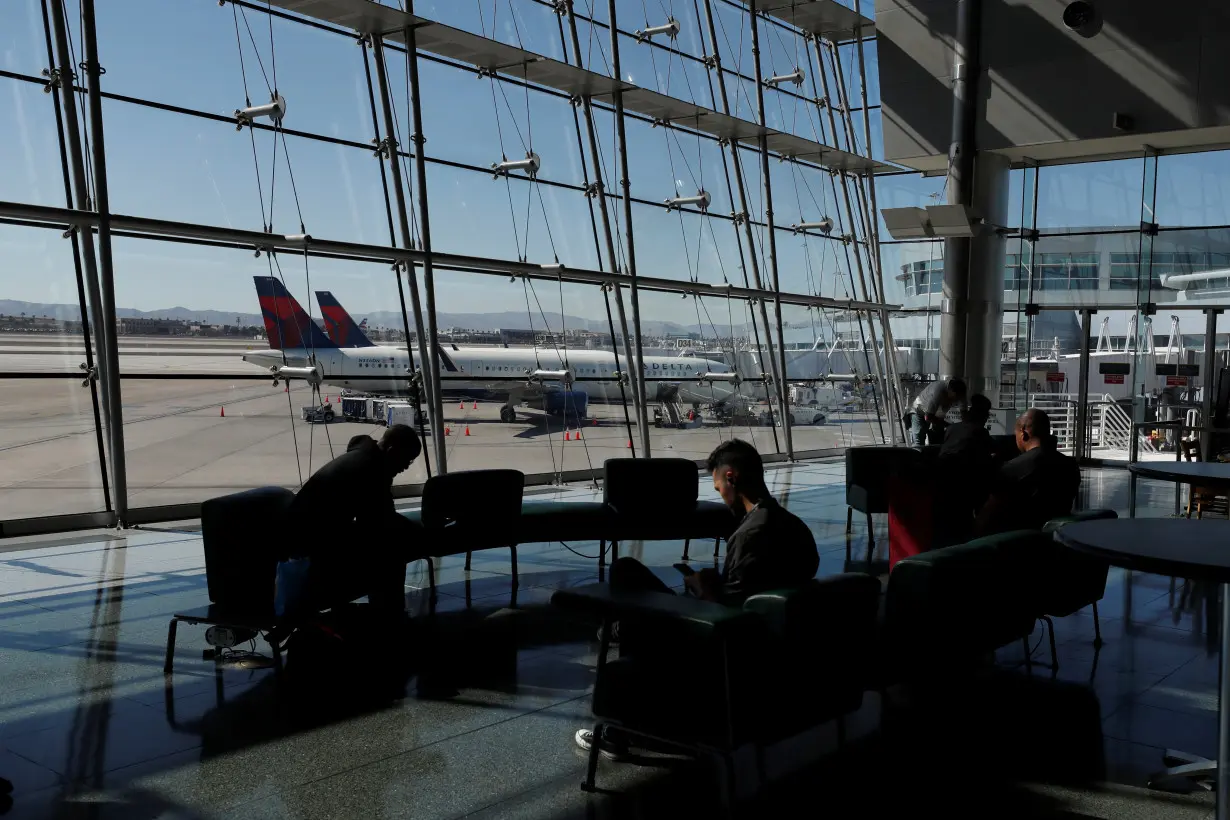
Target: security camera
{"x":1082,"y":18}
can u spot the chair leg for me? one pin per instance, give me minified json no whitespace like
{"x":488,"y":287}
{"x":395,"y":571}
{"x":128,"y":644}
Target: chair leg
{"x":601,"y":554}
{"x":172,"y":628}
{"x":849,"y":520}
{"x":218,"y":676}
{"x":516,"y":581}
{"x":687,"y":543}
{"x":276,"y":650}
{"x":871,"y":540}
{"x":1050,"y":631}
{"x":1097,"y":627}
{"x":468,"y":561}
{"x":591,"y":772}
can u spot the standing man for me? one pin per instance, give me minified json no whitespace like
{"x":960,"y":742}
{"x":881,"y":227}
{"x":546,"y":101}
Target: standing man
{"x":929,"y":409}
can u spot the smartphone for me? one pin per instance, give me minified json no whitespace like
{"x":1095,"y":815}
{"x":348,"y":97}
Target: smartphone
{"x":685,"y":570}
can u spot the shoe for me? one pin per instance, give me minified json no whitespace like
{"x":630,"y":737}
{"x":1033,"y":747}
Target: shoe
{"x":611,"y":749}
{"x":614,"y":633}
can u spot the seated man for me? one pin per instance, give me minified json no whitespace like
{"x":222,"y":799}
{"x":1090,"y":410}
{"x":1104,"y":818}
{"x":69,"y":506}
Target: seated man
{"x":964,"y":468}
{"x":931,"y":406}
{"x":343,"y":520}
{"x":771,"y":548}
{"x":1036,"y":486}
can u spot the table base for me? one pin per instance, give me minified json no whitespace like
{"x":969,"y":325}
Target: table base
{"x":1183,"y":769}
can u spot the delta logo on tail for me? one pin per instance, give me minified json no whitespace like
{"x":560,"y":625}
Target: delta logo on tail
{"x":287,"y":324}
{"x":339,"y":325}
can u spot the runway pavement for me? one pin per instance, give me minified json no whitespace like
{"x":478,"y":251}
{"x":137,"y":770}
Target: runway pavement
{"x":179,"y":446}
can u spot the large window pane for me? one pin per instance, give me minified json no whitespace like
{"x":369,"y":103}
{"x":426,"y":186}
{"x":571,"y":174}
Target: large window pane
{"x":49,"y":460}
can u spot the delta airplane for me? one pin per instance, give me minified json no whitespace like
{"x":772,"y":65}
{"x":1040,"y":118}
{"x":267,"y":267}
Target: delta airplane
{"x":347,"y":359}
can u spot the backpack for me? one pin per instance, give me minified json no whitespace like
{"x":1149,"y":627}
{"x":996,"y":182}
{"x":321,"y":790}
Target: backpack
{"x":351,"y":654}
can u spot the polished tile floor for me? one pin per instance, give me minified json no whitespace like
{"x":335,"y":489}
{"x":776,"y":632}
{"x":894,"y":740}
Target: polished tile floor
{"x":88,"y":727}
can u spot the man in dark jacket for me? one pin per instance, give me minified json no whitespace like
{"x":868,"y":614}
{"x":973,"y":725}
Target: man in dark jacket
{"x":1036,"y":486}
{"x":771,"y":548}
{"x":343,"y":519}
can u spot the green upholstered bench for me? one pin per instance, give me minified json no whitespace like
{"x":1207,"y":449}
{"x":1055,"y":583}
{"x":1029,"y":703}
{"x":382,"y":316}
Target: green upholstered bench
{"x":1069,"y":581}
{"x":950,"y":606}
{"x":768,"y":673}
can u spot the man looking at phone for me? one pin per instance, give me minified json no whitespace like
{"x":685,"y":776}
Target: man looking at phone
{"x":771,"y":548}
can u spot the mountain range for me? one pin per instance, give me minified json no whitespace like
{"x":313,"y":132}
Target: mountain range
{"x":382,"y":318}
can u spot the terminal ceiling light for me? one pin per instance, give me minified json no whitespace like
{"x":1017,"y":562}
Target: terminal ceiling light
{"x":670,"y":28}
{"x":700,"y":200}
{"x":274,"y":110}
{"x":530,"y":165}
{"x":796,"y":77}
{"x":824,"y":226}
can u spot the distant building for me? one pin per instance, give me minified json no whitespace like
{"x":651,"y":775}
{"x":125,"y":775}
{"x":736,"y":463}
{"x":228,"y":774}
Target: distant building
{"x":38,"y":324}
{"x":145,"y":326}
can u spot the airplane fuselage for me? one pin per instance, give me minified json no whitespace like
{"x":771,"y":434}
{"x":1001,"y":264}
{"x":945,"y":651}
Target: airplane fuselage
{"x":495,"y":373}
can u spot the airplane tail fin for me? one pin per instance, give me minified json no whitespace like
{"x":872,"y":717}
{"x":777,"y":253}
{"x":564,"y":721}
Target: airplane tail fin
{"x":338,"y":323}
{"x":286,"y":323}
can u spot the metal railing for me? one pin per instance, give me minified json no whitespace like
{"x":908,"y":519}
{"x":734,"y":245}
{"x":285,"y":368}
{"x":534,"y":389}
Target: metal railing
{"x":1108,"y":425}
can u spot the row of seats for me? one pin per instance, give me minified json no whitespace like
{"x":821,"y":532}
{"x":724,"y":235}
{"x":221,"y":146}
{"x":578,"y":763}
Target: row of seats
{"x":648,"y":499}
{"x":462,"y":512}
{"x":772,"y":673}
{"x":868,"y":470}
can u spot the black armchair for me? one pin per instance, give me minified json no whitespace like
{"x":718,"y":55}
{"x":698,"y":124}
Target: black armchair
{"x":867,"y":472}
{"x":656,"y":499}
{"x":471,"y":510}
{"x":754,"y":668}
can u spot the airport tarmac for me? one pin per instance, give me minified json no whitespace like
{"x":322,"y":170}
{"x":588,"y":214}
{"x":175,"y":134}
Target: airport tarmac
{"x":188,"y":440}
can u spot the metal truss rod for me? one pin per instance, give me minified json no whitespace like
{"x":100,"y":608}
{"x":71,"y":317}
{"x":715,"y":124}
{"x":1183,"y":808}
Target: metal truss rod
{"x":81,"y":187}
{"x":747,"y":223}
{"x":642,"y":411}
{"x":417,"y":387}
{"x":426,"y":336}
{"x":429,"y":279}
{"x":82,"y":304}
{"x":600,"y":188}
{"x":783,"y":396}
{"x":106,"y":268}
{"x":877,"y":367}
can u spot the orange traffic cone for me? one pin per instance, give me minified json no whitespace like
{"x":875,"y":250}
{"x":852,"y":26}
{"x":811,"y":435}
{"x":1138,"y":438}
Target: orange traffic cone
{"x":467,"y":429}
{"x":567,"y":436}
{"x":475,"y":405}
{"x":448,"y":431}
{"x":629,"y":444}
{"x":461,"y":405}
{"x":287,"y":390}
{"x":222,"y":414}
{"x":578,"y":434}
{"x":595,"y":422}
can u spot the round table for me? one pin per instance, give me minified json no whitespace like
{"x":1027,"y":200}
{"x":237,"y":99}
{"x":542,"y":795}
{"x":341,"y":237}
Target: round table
{"x":1206,"y":474}
{"x":1182,"y":548}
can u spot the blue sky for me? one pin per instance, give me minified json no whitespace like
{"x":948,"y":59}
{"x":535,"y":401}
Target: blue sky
{"x":184,"y":52}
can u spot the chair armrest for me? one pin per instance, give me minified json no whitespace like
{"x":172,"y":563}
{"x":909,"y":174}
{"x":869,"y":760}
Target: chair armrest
{"x":602,"y":601}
